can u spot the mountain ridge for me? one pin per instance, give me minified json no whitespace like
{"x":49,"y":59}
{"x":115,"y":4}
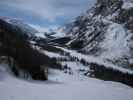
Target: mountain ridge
{"x":105,"y":30}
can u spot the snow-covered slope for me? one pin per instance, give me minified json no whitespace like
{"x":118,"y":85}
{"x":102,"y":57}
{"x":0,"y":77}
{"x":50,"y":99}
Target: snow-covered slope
{"x":105,"y":30}
{"x":59,"y":33}
{"x":97,"y":60}
{"x":16,"y":23}
{"x":127,"y":4}
{"x":61,"y":86}
{"x":76,"y":63}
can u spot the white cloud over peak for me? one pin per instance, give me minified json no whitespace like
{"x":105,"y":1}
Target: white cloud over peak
{"x":44,"y":29}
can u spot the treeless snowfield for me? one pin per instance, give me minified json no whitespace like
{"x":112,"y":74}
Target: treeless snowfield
{"x":62,"y":87}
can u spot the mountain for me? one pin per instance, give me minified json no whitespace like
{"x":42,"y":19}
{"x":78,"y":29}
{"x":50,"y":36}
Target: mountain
{"x":24,"y":58}
{"x":16,"y":23}
{"x":94,"y":53}
{"x":98,"y":44}
{"x":104,"y":31}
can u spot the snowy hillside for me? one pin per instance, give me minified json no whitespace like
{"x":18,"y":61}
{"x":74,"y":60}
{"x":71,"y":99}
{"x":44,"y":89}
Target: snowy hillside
{"x":75,"y":63}
{"x":61,"y":87}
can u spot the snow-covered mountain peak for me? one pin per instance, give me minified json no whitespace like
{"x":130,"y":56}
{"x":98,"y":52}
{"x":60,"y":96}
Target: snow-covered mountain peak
{"x":105,"y":30}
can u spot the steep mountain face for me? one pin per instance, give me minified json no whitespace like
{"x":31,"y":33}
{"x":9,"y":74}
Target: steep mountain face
{"x":105,"y":31}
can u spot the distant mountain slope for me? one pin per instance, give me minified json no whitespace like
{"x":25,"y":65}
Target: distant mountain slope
{"x":105,"y":30}
{"x":16,"y":23}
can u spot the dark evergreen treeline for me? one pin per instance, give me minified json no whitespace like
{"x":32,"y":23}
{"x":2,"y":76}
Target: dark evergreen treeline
{"x":110,"y":74}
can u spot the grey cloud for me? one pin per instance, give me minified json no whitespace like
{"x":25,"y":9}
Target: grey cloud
{"x":50,"y":9}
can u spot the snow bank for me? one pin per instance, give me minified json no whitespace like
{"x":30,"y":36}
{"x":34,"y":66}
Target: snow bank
{"x":127,"y":5}
{"x":62,"y":87}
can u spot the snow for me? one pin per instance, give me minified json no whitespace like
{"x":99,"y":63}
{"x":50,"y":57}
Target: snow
{"x":75,"y":65}
{"x":115,"y":44}
{"x":127,"y":5}
{"x":98,"y":60}
{"x":131,"y":61}
{"x":8,"y":20}
{"x":40,"y":28}
{"x":74,"y":68}
{"x":59,"y":33}
{"x":20,"y":24}
{"x":52,"y":55}
{"x":40,"y":35}
{"x":61,"y":86}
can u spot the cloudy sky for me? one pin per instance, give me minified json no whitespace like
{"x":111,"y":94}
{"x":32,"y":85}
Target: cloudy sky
{"x":44,"y":13}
